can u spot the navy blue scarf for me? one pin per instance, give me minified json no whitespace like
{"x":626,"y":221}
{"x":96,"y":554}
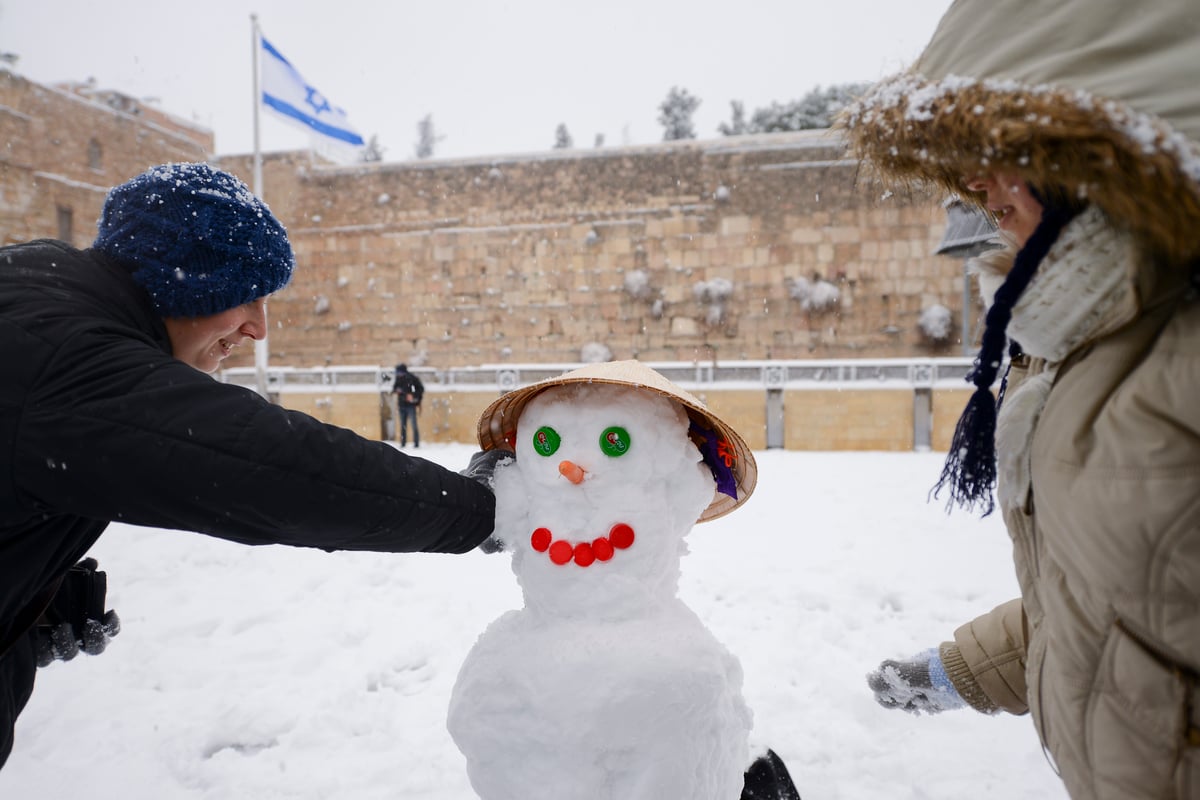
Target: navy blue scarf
{"x":970,"y":469}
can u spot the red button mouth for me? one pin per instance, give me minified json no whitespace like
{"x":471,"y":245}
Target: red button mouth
{"x":584,"y":554}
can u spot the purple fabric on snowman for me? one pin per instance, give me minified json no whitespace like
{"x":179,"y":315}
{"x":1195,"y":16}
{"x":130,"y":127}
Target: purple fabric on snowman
{"x":719,"y":463}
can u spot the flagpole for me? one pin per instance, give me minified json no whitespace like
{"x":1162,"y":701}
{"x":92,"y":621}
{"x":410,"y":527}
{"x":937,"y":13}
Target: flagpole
{"x":261,"y":351}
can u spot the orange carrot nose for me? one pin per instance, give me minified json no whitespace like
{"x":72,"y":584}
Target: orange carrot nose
{"x":571,"y":471}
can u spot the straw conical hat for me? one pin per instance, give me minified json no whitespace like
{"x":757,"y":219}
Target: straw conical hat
{"x":498,"y":425}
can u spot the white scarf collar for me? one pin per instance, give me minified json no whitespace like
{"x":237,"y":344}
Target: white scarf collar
{"x":1081,"y":290}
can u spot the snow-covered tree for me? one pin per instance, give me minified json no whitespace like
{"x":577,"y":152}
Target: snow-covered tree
{"x":427,"y":137}
{"x":817,"y":109}
{"x":737,"y":122}
{"x":675,"y":114}
{"x":562,"y":137}
{"x":372,"y":150}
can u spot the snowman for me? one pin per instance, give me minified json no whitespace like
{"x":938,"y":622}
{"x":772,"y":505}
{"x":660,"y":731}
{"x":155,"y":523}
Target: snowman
{"x":605,"y":685}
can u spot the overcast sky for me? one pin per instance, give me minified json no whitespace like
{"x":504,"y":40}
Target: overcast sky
{"x":497,"y":76}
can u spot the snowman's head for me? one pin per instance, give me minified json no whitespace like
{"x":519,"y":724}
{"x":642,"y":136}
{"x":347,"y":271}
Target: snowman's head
{"x":606,"y":485}
{"x":724,"y":451}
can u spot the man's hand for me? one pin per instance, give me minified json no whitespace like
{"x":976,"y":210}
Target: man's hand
{"x":76,"y":619}
{"x":482,"y":468}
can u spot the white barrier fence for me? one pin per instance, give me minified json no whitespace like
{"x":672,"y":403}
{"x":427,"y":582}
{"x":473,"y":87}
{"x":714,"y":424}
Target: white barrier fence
{"x":920,"y":376}
{"x":923,"y":373}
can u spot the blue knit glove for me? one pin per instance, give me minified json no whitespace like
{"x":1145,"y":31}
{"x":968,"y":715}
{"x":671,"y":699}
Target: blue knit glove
{"x":916,"y":684}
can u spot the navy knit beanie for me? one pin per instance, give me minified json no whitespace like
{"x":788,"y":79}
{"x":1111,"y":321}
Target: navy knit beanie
{"x":195,"y":238}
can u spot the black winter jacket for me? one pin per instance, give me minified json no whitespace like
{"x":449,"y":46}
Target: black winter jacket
{"x":99,"y":423}
{"x":406,"y":386}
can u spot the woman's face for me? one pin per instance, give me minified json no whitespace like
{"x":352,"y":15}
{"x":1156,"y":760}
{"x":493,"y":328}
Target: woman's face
{"x":204,"y":342}
{"x":1008,"y":197}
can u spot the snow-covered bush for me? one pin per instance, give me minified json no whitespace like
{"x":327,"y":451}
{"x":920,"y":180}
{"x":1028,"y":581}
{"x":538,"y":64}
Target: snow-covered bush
{"x":718,"y":290}
{"x":637,"y":284}
{"x":824,"y":297}
{"x":713,"y":295}
{"x":799,"y":289}
{"x":936,"y":322}
{"x":818,"y":295}
{"x":595,"y":353}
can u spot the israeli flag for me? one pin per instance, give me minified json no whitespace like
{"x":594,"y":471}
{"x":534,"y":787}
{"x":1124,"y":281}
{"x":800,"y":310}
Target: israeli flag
{"x":285,"y":92}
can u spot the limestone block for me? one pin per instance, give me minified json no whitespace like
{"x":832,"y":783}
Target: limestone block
{"x":807,"y":235}
{"x":684,"y":326}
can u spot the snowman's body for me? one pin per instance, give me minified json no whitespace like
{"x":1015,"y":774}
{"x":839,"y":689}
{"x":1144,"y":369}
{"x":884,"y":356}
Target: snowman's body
{"x":605,"y":685}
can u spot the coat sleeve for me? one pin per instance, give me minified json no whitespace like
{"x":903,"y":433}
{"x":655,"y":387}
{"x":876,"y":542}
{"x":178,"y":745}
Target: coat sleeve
{"x":17,"y":669}
{"x":986,"y":660}
{"x":118,"y":430}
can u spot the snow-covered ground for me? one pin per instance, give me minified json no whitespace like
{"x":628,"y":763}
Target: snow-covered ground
{"x":279,"y":674}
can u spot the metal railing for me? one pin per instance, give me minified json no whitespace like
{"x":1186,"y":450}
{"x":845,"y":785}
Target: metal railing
{"x":916,"y":373}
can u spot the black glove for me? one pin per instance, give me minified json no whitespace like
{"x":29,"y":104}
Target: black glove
{"x":75,"y":619}
{"x":916,"y":684}
{"x":482,"y":466}
{"x":482,"y":469}
{"x":768,"y":779}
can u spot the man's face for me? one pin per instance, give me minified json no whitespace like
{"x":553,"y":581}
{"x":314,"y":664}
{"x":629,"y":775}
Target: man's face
{"x":204,"y":342}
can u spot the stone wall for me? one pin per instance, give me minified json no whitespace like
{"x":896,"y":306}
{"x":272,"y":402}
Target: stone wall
{"x":762,"y":247}
{"x":530,"y":259}
{"x":744,"y":248}
{"x":65,"y":147}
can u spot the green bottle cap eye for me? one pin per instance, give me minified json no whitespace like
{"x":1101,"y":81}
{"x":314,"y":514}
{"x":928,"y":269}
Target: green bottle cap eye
{"x":614,"y":441}
{"x":546,"y":440}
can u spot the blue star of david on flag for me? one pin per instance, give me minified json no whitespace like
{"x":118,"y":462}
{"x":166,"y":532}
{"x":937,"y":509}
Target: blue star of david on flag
{"x":285,"y":92}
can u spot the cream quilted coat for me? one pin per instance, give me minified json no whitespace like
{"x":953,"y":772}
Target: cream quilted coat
{"x":1099,"y":435}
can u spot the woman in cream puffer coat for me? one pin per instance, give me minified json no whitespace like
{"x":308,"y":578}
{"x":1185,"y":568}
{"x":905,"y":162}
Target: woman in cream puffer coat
{"x":1091,"y":109}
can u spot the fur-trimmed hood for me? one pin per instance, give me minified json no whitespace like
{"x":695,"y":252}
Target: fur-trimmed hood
{"x":1099,"y":97}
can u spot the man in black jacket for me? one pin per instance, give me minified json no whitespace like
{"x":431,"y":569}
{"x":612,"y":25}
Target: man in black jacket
{"x":107,"y":413}
{"x":409,"y":390}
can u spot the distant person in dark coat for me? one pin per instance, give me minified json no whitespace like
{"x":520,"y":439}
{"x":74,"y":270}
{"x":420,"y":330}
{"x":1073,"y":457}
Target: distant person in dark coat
{"x":408,"y":390}
{"x":107,"y":412}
